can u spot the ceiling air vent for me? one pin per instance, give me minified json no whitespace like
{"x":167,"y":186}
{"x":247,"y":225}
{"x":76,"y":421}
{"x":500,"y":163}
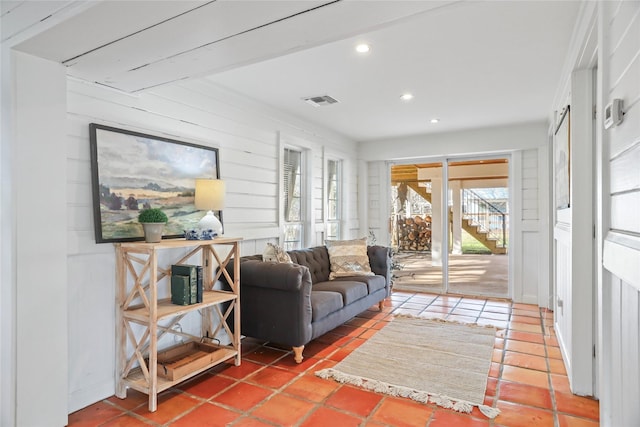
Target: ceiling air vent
{"x":318,"y":101}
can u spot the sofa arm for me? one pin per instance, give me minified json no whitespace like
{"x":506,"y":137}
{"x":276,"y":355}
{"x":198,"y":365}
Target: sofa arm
{"x":275,"y":301}
{"x":380,"y":261}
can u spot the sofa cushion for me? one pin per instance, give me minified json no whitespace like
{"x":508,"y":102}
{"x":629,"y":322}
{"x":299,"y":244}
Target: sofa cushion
{"x":348,"y":258}
{"x":350,"y":290}
{"x":324,"y":303}
{"x":373,"y":282}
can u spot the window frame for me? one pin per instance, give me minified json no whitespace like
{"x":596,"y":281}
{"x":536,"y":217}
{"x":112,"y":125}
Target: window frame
{"x":303,"y":222}
{"x":339,"y":199}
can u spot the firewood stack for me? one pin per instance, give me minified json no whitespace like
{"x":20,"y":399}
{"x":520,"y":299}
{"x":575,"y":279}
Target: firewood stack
{"x":414,"y":234}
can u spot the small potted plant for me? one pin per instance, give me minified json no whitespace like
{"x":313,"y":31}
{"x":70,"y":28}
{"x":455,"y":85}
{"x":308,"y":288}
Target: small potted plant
{"x":153,"y":221}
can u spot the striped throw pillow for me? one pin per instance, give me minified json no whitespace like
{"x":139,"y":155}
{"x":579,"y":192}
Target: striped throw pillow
{"x":348,"y":258}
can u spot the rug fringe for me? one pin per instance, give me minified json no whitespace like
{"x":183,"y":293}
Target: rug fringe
{"x":488,"y":411}
{"x":399,"y":391}
{"x":435,"y":319}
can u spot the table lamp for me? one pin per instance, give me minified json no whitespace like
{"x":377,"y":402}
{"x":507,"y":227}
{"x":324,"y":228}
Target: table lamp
{"x":210,"y":197}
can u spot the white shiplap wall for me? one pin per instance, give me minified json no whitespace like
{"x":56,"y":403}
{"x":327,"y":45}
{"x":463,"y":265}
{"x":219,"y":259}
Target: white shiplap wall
{"x":530,"y":185}
{"x":528,"y":263}
{"x":620,"y":376}
{"x":377,"y":202}
{"x":248,"y":138}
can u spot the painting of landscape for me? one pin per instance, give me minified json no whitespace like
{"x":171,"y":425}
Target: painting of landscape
{"x":133,"y":171}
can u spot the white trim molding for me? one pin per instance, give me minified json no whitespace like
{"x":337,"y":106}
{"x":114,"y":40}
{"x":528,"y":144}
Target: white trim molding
{"x":622,"y":257}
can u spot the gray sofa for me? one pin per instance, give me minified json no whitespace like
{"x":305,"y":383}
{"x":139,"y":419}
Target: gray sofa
{"x":291,"y":304}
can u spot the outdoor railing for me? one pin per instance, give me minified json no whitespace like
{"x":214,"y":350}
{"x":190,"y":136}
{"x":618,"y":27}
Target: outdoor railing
{"x":482,"y":213}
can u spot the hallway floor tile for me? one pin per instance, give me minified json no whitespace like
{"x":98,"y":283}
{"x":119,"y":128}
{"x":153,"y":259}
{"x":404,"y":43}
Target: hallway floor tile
{"x":527,"y":380}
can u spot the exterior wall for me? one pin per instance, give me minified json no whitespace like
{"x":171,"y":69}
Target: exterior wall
{"x":620,"y":290}
{"x":248,"y":136}
{"x":525,"y":144}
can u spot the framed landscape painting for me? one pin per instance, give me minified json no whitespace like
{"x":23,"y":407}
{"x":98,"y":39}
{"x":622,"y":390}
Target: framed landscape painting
{"x":132,"y":171}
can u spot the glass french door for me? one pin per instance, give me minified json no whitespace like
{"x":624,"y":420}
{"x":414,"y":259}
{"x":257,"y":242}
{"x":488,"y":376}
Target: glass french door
{"x":416,"y":226}
{"x":478,"y":226}
{"x":449,"y":226}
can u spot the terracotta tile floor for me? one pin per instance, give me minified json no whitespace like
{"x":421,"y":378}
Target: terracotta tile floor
{"x":527,"y":380}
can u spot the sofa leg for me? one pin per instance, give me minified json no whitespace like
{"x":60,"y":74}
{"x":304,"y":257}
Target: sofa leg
{"x":297,"y":353}
{"x":381,"y":305}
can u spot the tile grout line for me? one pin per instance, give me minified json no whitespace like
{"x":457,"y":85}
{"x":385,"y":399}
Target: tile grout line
{"x":496,"y":398}
{"x":278,"y":391}
{"x":552,"y":394}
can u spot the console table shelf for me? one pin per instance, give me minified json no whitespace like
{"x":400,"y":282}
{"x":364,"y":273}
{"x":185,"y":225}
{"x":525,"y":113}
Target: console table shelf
{"x":137,"y":276}
{"x":167,"y":309}
{"x":137,"y":381}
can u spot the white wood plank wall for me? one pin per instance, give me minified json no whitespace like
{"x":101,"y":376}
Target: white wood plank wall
{"x":531,"y":256}
{"x":377,"y":211}
{"x":621,"y":297}
{"x":563,"y":296}
{"x":246,"y":135}
{"x":530,"y":185}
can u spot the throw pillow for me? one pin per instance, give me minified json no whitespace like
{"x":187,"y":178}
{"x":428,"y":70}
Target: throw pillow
{"x":348,"y":258}
{"x":274,"y":253}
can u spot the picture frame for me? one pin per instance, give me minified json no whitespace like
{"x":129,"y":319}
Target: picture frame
{"x":562,"y":160}
{"x":131,"y":171}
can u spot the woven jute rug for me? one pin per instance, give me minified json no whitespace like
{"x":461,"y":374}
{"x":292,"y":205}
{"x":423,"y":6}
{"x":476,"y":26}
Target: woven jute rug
{"x":426,"y":360}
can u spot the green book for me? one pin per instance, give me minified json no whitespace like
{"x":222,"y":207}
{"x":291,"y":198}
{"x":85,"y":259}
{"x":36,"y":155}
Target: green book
{"x":200,"y":289}
{"x":190,"y":271}
{"x":180,"y":290}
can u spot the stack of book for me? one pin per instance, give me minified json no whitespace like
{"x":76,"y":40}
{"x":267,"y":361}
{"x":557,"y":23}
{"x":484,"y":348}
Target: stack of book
{"x":186,"y":284}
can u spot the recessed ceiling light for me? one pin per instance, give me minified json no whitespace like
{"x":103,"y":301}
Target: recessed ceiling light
{"x":406,"y":96}
{"x":363,"y":48}
{"x":434,"y":121}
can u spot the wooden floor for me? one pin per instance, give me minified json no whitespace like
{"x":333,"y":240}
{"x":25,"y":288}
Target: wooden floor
{"x":481,"y":275}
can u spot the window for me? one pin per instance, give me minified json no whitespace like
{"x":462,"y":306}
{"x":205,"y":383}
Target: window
{"x":333,"y":199}
{"x":293,"y":212}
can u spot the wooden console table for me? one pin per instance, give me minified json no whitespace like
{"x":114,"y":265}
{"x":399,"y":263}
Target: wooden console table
{"x":137,"y":277}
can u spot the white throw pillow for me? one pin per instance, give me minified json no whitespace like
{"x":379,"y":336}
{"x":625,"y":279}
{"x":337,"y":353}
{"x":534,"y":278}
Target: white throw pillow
{"x":274,"y":253}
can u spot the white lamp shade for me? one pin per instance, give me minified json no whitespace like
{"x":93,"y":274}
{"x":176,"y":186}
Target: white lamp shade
{"x":209,"y":194}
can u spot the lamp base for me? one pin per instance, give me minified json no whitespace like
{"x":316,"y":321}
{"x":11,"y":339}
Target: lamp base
{"x":211,"y":222}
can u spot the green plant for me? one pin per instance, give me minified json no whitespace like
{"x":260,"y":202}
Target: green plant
{"x":395,"y":265}
{"x":152,"y":215}
{"x":472,"y":246}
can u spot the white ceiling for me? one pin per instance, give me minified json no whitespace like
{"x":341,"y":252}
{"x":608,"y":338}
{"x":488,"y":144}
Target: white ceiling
{"x":469,"y":63}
